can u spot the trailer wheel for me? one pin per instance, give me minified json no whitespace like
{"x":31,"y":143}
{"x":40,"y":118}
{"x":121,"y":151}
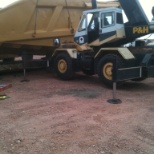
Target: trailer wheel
{"x":63,"y":66}
{"x":105,"y":67}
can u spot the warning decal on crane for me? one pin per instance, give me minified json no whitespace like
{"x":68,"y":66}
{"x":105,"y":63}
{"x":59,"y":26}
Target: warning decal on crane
{"x":81,"y":40}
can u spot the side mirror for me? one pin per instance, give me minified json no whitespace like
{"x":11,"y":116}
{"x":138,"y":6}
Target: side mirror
{"x":56,"y":42}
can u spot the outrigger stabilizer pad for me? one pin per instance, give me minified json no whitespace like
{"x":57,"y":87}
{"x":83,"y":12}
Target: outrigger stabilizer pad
{"x":114,"y":101}
{"x":25,"y":80}
{"x":2,"y":97}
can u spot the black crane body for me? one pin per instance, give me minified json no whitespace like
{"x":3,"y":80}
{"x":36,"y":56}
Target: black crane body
{"x":104,"y":31}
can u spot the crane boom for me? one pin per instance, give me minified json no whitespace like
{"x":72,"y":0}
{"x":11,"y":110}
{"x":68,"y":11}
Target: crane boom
{"x":134,"y":12}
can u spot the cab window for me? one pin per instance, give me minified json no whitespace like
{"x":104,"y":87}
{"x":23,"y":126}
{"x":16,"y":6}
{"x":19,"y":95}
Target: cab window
{"x":90,"y":21}
{"x":82,"y":25}
{"x":119,"y":18}
{"x":107,"y":19}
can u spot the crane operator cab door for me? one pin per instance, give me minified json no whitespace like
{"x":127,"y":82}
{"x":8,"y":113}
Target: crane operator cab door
{"x":88,"y":29}
{"x":100,"y":25}
{"x":111,"y":25}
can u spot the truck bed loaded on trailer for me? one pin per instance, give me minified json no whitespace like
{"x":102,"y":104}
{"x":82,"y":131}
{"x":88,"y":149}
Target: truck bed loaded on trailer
{"x":78,"y":36}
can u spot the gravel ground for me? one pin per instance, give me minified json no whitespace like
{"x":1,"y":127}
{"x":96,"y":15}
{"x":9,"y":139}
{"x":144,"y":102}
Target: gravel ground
{"x":49,"y":116}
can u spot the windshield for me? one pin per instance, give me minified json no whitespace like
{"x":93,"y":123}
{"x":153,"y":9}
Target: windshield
{"x":90,"y":20}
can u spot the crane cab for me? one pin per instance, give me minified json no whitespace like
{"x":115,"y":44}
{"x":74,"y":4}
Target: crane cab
{"x":99,"y":26}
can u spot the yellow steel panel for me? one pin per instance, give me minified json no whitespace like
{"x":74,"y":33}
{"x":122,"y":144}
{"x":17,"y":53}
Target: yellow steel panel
{"x":54,"y":18}
{"x":70,"y":3}
{"x":104,"y":4}
{"x":15,"y":19}
{"x":50,"y":18}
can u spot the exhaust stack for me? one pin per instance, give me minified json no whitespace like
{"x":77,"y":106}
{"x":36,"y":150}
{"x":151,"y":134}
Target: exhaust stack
{"x":153,"y":13}
{"x":94,"y":4}
{"x":152,"y":22}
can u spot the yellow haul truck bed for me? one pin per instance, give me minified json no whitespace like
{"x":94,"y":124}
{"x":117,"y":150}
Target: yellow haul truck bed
{"x":34,"y":26}
{"x":28,"y":21}
{"x":31,"y":20}
{"x":31,"y":27}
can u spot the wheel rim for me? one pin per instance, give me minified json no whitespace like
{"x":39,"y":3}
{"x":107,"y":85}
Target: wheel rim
{"x":62,"y":66}
{"x":107,"y":71}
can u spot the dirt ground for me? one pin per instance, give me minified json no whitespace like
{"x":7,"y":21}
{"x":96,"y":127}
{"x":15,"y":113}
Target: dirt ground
{"x":49,"y":116}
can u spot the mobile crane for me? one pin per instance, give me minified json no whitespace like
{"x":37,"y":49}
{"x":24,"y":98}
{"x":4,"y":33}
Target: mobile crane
{"x":97,"y":41}
{"x":105,"y":31}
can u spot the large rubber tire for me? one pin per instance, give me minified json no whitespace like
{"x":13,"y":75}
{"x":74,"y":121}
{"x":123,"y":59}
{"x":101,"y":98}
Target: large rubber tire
{"x":105,"y":67}
{"x":63,"y":66}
